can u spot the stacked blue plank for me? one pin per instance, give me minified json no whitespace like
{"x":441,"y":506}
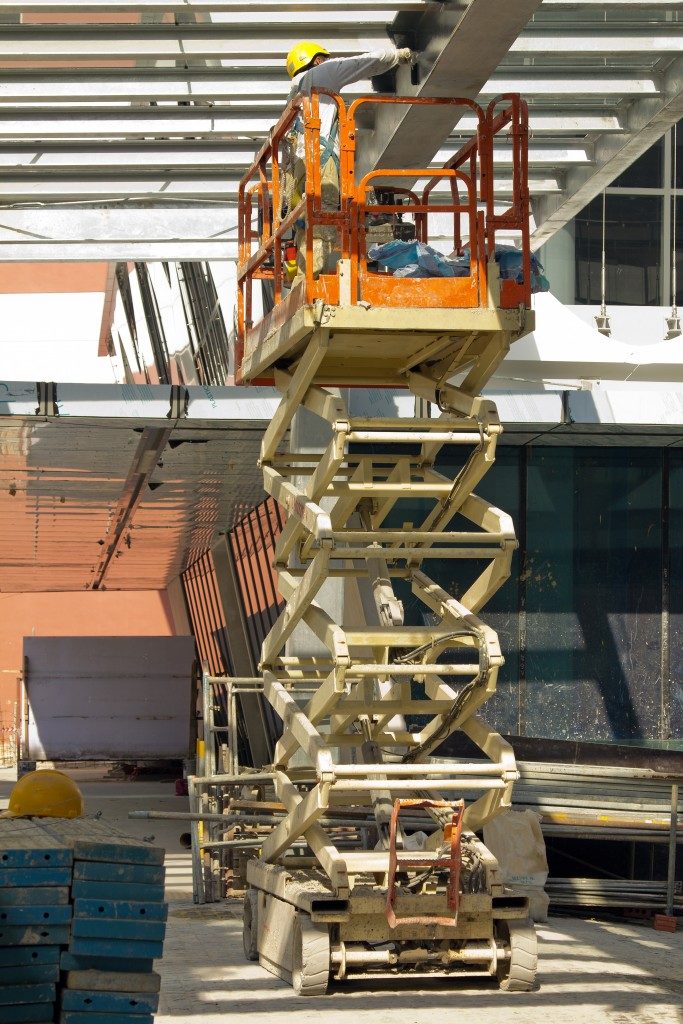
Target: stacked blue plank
{"x":35,"y":918}
{"x":119,"y":925}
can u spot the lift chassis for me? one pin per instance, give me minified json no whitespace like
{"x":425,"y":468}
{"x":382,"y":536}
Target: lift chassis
{"x":373,"y":514}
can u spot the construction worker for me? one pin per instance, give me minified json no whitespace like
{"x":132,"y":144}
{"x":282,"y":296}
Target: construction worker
{"x":311,"y":66}
{"x":47,"y":793}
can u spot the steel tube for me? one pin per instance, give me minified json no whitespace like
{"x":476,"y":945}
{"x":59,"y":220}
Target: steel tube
{"x":363,"y":956}
{"x":347,"y":771}
{"x":424,"y":553}
{"x":416,"y":436}
{"x":364,"y":785}
{"x":671,"y":865}
{"x":399,"y":536}
{"x":411,"y":670}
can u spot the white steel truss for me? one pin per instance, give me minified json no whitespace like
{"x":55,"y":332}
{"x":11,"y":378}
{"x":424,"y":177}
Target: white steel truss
{"x":173,"y":126}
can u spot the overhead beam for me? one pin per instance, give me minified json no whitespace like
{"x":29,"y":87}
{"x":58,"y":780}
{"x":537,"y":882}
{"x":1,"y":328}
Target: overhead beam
{"x":244,"y":36}
{"x":199,"y":6}
{"x":604,"y":38}
{"x":198,"y":158}
{"x":149,"y":450}
{"x":53,"y":188}
{"x":453,"y":58}
{"x":119,"y":233}
{"x":646,"y":121}
{"x":175,"y":85}
{"x":241,"y":122}
{"x":109,"y":233}
{"x":293,"y":6}
{"x":459,"y":50}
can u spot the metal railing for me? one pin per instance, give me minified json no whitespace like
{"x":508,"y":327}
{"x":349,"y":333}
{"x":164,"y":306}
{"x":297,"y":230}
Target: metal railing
{"x":266,"y":223}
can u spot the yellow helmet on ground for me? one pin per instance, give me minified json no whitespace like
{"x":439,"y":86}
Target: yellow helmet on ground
{"x":46,"y":793}
{"x":303,"y":54}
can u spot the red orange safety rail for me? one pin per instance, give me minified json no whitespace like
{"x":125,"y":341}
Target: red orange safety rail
{"x":470,"y":172}
{"x":451,"y":863}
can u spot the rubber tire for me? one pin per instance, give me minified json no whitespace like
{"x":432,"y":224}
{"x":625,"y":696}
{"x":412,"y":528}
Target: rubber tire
{"x":518,"y":974}
{"x":250,"y":924}
{"x":310,"y":957}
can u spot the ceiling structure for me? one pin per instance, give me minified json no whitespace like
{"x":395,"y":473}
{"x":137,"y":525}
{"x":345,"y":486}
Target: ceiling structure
{"x":125,"y":139}
{"x":121,"y":487}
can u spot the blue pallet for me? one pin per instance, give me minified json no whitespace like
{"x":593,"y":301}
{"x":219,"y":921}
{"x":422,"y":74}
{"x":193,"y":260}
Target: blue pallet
{"x":59,"y":856}
{"x":112,"y":852}
{"x":110,"y":1002}
{"x":117,"y":891}
{"x":98,"y":840}
{"x":15,"y":995}
{"x":102,"y":928}
{"x":36,"y":974}
{"x":28,"y":877}
{"x":39,"y":896}
{"x":111,"y":981}
{"x":71,"y":962}
{"x":35,"y":915}
{"x":35,"y":1013}
{"x":34,"y":935}
{"x":75,"y":1017}
{"x":116,"y":948}
{"x":10,"y":956}
{"x":101,"y":871}
{"x":126,"y":909}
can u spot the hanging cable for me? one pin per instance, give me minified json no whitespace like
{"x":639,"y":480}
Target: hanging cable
{"x":602,"y":320}
{"x":673,"y":322}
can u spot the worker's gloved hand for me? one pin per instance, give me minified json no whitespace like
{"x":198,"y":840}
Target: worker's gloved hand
{"x":406,"y":55}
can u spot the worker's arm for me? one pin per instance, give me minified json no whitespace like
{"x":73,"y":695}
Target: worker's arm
{"x":338,"y":72}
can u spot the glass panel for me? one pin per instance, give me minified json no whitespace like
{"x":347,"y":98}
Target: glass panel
{"x":553,"y":632}
{"x":632,"y":250}
{"x":501,"y":487}
{"x":678,"y":200}
{"x":679,"y":155}
{"x":594,"y":594}
{"x":646,"y":171}
{"x":676,"y":596}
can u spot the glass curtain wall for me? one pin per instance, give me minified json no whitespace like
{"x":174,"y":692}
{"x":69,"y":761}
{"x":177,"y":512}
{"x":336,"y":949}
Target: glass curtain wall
{"x":640,"y":206}
{"x":591,"y":619}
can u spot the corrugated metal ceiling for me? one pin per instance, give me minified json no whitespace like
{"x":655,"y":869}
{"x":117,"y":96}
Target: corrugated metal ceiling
{"x":65,"y":483}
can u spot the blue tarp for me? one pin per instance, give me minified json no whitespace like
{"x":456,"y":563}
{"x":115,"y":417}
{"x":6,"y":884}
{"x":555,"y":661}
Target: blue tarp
{"x":415,"y":259}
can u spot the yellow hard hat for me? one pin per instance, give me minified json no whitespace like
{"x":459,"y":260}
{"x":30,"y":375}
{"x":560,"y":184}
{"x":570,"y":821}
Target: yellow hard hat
{"x":301,"y":55}
{"x":45,"y":794}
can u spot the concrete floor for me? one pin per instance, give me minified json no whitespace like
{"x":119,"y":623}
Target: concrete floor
{"x":591,"y":972}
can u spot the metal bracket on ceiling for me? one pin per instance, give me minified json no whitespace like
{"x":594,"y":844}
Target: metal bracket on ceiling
{"x":180,"y":400}
{"x":47,"y":399}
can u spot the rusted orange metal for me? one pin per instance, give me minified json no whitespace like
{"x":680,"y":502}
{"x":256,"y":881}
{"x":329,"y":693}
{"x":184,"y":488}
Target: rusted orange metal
{"x":452,"y":863}
{"x":470,"y":170}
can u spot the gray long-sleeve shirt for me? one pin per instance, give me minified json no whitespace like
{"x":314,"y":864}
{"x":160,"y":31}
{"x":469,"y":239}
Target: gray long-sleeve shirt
{"x":335,"y":74}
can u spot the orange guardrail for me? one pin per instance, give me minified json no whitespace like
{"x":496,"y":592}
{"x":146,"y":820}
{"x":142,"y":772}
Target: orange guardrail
{"x":265,"y":224}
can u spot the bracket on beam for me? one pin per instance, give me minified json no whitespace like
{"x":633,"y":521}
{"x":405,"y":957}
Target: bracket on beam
{"x":47,"y":399}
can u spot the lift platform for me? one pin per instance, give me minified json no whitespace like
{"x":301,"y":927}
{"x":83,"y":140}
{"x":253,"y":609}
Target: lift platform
{"x":366,"y":702}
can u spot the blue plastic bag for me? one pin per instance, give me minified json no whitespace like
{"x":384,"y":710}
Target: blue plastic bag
{"x":414,"y":259}
{"x":509,"y":260}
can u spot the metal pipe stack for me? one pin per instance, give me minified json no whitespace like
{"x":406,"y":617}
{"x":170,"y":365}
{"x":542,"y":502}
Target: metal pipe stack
{"x":593,"y":801}
{"x":609,"y":892}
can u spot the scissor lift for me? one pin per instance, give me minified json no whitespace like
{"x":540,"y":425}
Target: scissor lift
{"x":363,"y":714}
